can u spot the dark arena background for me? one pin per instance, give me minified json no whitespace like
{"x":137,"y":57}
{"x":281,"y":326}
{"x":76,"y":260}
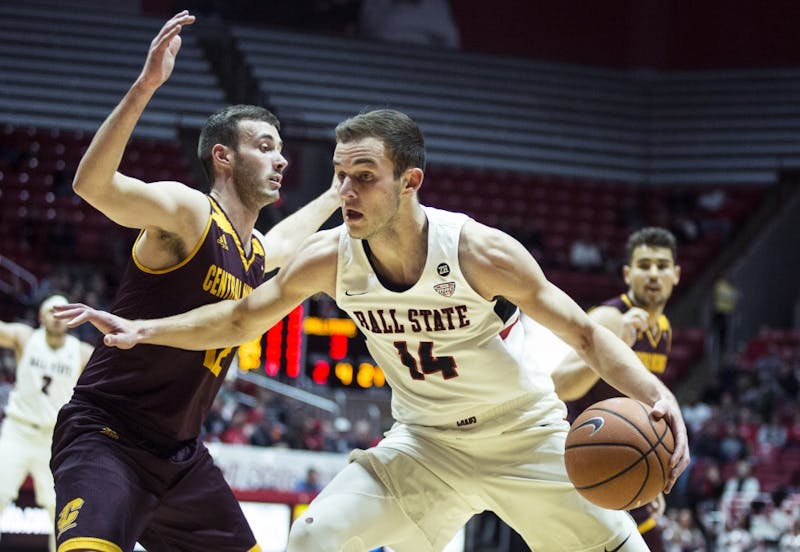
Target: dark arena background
{"x":567,"y":124}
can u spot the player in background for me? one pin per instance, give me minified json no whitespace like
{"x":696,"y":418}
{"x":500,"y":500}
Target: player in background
{"x":127,"y":460}
{"x":49,"y":361}
{"x":637,"y":317}
{"x":438,"y":296}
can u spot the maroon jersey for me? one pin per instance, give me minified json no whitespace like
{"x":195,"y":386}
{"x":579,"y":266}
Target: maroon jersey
{"x":652,"y":349}
{"x":162,"y":394}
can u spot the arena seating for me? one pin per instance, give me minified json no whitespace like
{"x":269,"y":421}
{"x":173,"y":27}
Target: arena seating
{"x":66,"y":68}
{"x":509,"y":114}
{"x":43,"y":222}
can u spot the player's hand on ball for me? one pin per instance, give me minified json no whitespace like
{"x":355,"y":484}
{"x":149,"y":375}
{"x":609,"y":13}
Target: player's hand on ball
{"x":119,"y":332}
{"x":670,"y":412}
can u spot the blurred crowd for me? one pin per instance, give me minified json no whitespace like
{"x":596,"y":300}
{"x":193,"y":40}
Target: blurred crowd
{"x":742,"y":490}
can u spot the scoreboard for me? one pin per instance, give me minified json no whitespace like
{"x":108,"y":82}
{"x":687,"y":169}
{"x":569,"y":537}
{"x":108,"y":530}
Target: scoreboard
{"x":328,"y":349}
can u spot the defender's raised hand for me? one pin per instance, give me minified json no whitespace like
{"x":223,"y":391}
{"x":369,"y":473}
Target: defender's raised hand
{"x":119,"y":332}
{"x":163,"y":51}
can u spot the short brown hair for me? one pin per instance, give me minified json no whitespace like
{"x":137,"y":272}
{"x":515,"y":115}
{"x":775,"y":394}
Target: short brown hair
{"x":401,"y":137}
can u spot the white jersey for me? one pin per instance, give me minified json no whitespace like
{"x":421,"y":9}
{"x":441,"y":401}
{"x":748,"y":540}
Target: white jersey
{"x":44,"y":380}
{"x":448,"y":353}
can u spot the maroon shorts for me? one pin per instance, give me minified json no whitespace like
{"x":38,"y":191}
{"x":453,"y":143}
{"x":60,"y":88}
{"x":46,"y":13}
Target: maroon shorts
{"x":111,"y":493}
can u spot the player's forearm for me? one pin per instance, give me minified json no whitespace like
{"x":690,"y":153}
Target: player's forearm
{"x":573,"y":378}
{"x":224,"y":324}
{"x":284,"y":238}
{"x":208,"y":327}
{"x":619,"y":366}
{"x":96,"y":170}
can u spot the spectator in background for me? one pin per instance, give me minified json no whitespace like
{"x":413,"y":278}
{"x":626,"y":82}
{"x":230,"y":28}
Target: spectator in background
{"x":707,"y":490}
{"x":696,"y":413}
{"x":766,"y":527}
{"x":423,"y":22}
{"x":339,"y":440}
{"x":714,"y":221}
{"x":682,"y":534}
{"x":236,"y":432}
{"x":770,"y":437}
{"x":731,"y":446}
{"x":743,"y":484}
{"x":310,"y":484}
{"x":790,"y":541}
{"x":726,"y":296}
{"x":736,"y":536}
{"x":584,"y":253}
{"x":793,"y":431}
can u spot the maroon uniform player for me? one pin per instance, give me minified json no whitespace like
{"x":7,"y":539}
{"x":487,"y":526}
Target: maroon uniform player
{"x":127,"y":461}
{"x":637,"y":317}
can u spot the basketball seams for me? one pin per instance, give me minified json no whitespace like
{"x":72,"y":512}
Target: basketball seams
{"x":620,"y":473}
{"x":620,"y":416}
{"x":659,"y":439}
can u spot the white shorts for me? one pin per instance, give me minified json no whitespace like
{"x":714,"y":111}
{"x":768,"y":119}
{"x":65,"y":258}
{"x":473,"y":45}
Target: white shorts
{"x":510,"y":462}
{"x":25,"y":449}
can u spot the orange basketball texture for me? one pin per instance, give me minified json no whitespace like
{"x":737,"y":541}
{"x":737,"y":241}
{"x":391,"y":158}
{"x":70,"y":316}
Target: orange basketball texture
{"x":617,"y":456}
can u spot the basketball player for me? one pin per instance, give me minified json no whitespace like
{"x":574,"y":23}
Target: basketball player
{"x":438,"y":296}
{"x":127,"y":460}
{"x":637,"y":317}
{"x":49,"y":362}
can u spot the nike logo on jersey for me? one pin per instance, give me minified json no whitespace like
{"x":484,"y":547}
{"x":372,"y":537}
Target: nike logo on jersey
{"x":352,"y":293}
{"x":618,"y":547}
{"x":596,"y":422}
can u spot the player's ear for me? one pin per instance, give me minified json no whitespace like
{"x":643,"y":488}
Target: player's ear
{"x":626,"y":274}
{"x":220,"y":154}
{"x":412,"y":179}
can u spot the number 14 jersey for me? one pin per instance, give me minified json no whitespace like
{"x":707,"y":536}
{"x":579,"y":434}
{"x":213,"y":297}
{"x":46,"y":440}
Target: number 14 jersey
{"x":448,"y":353}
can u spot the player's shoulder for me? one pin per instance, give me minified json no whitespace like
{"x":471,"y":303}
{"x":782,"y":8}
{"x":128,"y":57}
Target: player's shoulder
{"x":483,"y":244}
{"x":17,"y":334}
{"x":181,"y":199}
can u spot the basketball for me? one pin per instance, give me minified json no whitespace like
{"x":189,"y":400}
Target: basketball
{"x":617,"y":456}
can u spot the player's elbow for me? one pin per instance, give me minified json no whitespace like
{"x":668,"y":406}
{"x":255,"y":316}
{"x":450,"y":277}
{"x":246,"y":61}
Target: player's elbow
{"x":86,"y":188}
{"x":243,"y":326}
{"x":80,"y":186}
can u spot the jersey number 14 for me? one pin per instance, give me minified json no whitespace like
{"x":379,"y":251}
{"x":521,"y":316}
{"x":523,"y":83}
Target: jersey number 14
{"x":427,"y":363}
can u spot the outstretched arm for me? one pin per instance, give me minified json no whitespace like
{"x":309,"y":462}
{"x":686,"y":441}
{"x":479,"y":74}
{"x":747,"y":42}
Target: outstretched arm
{"x":226,"y":323}
{"x":284,"y":239}
{"x":14,"y":335}
{"x":497,"y":265}
{"x":125,"y":200}
{"x":573,"y":377}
